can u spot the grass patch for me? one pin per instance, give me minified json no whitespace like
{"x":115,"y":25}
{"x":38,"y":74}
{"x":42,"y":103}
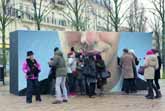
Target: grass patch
{"x":163,"y":75}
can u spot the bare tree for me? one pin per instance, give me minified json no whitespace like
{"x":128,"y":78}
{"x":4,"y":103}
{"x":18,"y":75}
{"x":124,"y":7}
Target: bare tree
{"x":41,"y":9}
{"x":74,"y":13}
{"x":155,"y":24}
{"x":105,"y":20}
{"x":115,"y":16}
{"x":136,"y":20}
{"x":159,"y":11}
{"x":5,"y":20}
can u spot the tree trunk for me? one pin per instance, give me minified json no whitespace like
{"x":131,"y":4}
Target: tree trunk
{"x":116,"y":27}
{"x":163,"y":48}
{"x":4,"y":49}
{"x":116,"y":16}
{"x":38,"y":26}
{"x":77,"y":22}
{"x":157,"y":35}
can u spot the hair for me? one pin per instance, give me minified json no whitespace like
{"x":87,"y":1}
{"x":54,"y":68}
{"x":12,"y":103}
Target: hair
{"x":29,"y":53}
{"x":125,"y":50}
{"x":72,"y":49}
{"x":56,"y":49}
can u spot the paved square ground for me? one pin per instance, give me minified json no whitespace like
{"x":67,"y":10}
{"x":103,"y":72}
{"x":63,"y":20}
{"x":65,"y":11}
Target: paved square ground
{"x":110,"y":102}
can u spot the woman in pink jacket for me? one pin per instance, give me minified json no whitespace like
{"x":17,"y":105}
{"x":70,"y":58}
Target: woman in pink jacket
{"x":32,"y":69}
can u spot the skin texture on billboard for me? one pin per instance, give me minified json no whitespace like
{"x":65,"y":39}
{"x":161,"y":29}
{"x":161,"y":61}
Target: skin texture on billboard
{"x":109,"y":44}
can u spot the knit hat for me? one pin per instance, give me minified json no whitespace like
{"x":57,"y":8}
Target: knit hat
{"x":29,"y":53}
{"x":149,"y":52}
{"x":132,"y":51}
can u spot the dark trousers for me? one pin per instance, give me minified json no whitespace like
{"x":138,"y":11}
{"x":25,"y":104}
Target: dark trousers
{"x":92,"y":87}
{"x":134,"y":88}
{"x":157,"y":83}
{"x":86,"y":86}
{"x":81,"y":84}
{"x":151,"y":86}
{"x":71,"y":82}
{"x":128,"y":85}
{"x":32,"y":88}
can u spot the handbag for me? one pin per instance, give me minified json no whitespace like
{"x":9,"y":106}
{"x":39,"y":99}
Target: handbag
{"x":105,"y":74}
{"x":141,"y":70}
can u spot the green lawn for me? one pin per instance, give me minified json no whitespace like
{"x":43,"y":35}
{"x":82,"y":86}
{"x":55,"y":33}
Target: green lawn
{"x":163,"y":75}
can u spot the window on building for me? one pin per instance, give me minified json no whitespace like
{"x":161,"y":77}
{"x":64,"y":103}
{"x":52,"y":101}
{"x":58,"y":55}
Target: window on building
{"x":48,"y":20}
{"x":55,"y":21}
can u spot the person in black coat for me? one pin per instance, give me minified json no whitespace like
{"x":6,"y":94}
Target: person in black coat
{"x":90,"y":75}
{"x":157,"y":72}
{"x":100,"y":68}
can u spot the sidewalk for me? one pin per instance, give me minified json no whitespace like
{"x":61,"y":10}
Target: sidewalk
{"x":112,"y":102}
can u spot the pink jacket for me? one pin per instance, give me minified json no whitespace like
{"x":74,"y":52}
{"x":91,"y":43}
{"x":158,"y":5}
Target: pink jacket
{"x":26,"y":68}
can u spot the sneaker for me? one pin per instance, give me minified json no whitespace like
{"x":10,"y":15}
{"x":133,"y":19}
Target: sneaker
{"x":38,"y":100}
{"x":65,"y":101}
{"x":159,"y":93}
{"x":146,"y":95}
{"x":150,"y":97}
{"x":56,"y":102}
{"x":28,"y":102}
{"x":91,"y":96}
{"x":157,"y":96}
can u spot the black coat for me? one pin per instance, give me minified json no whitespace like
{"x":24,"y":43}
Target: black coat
{"x":100,"y":66}
{"x":89,"y":69}
{"x":157,"y":71}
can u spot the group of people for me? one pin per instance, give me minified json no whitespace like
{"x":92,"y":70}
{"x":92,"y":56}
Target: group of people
{"x":151,"y":71}
{"x":86,"y":71}
{"x":81,"y":70}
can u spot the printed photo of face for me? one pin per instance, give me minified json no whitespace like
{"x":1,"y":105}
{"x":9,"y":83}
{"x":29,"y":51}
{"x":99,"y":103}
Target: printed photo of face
{"x":104,"y":42}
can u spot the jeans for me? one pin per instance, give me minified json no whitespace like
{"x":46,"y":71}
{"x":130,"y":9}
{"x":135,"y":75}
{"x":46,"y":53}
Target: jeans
{"x":60,"y":85}
{"x":32,"y":85}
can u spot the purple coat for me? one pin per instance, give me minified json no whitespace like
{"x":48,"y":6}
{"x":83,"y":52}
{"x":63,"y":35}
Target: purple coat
{"x":26,"y":68}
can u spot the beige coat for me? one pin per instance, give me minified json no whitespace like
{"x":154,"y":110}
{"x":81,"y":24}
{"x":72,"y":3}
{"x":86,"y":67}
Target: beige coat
{"x":150,"y":63}
{"x":127,"y":63}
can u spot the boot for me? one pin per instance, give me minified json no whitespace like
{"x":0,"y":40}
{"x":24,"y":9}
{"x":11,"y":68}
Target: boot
{"x":158,"y":95}
{"x":147,"y":95}
{"x":150,"y":97}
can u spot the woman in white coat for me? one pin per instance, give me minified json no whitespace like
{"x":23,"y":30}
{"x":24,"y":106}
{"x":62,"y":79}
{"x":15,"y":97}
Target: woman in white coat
{"x":150,"y":64}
